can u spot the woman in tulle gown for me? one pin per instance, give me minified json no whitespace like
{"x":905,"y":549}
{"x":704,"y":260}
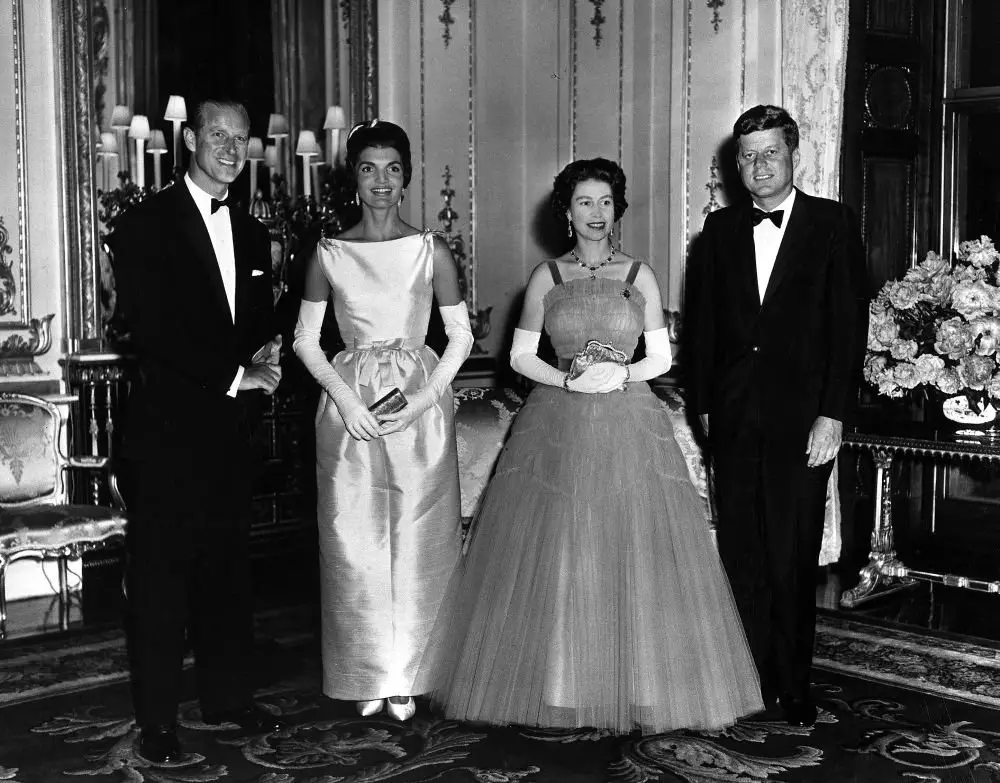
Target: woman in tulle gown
{"x":591,"y":593}
{"x":388,"y":492}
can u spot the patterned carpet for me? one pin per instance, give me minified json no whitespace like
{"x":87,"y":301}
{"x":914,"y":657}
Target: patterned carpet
{"x":895,"y":706}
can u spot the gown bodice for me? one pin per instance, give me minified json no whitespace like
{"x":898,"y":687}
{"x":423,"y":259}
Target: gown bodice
{"x":610,"y":311}
{"x":381,"y":290}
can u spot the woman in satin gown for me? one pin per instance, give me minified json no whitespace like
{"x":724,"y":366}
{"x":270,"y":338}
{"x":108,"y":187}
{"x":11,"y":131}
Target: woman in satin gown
{"x":592,"y":593}
{"x":388,"y":490}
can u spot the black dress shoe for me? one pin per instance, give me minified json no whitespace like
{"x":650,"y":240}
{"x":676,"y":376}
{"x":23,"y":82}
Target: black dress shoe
{"x":798,"y":711}
{"x":248,"y":718}
{"x":159,"y":744}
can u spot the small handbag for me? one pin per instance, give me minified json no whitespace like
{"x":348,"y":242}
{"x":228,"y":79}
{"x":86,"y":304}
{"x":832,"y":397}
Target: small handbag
{"x":595,"y":352}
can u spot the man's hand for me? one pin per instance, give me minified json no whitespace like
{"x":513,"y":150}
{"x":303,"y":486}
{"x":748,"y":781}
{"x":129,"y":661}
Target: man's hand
{"x":269,"y":352}
{"x":824,"y":441}
{"x":260,"y":376}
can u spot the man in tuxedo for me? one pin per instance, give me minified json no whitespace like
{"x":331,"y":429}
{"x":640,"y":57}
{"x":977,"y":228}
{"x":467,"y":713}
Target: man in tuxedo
{"x":194,"y":291}
{"x":779,"y":323}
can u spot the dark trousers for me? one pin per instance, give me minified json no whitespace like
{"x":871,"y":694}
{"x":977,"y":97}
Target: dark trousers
{"x":770,"y":529}
{"x":188,"y":580}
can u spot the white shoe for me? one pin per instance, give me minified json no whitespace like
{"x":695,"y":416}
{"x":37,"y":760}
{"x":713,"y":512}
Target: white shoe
{"x":368,"y":708}
{"x":402,"y":711}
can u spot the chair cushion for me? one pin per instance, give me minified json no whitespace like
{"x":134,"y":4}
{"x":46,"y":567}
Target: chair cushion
{"x":29,"y":467}
{"x":53,"y":527}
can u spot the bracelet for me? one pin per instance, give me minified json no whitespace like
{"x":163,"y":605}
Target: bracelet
{"x":565,"y":383}
{"x":628,"y":377}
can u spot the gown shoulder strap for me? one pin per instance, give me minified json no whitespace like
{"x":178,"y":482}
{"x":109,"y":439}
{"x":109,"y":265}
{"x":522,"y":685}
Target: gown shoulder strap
{"x":554,"y":271}
{"x":633,"y":272}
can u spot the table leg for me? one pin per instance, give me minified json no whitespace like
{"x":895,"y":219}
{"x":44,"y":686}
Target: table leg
{"x":884,"y":573}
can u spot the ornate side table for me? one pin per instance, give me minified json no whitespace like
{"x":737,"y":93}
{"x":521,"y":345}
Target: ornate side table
{"x":884,"y":572}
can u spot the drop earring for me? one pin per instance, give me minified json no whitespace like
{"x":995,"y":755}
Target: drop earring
{"x":357,"y":198}
{"x":402,"y":195}
{"x":569,"y":228}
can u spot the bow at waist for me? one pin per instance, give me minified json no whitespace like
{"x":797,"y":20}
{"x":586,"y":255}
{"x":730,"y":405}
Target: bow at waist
{"x":381,"y":358}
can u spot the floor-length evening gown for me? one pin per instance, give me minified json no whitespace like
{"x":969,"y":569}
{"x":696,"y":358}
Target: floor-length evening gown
{"x":388,"y":509}
{"x":592,"y":593}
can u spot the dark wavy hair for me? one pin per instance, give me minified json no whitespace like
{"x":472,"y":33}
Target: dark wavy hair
{"x":600,"y":169}
{"x":379,"y":134}
{"x":766,"y":117}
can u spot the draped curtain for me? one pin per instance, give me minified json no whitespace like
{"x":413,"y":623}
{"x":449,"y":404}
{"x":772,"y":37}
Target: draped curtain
{"x":813,"y":66}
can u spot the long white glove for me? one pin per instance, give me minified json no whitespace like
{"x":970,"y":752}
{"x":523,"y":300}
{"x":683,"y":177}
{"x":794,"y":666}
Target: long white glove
{"x":525,"y":360}
{"x":360,"y":422}
{"x":606,"y":377}
{"x":658,"y":357}
{"x":459,"y":331}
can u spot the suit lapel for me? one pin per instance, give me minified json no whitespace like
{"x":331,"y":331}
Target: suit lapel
{"x":192,"y":227}
{"x":799,"y":224}
{"x":746,"y":259}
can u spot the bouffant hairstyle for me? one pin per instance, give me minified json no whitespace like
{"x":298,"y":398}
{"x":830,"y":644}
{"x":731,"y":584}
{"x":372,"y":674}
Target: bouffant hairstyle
{"x":380,"y":135}
{"x":766,"y":117}
{"x":600,"y":169}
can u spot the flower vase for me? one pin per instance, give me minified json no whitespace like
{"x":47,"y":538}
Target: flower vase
{"x":955,"y":415}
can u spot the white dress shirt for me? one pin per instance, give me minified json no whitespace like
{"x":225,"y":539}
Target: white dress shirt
{"x":220,"y":231}
{"x":766,"y":241}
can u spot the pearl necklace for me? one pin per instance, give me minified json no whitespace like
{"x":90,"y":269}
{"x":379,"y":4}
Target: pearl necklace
{"x":592,"y":269}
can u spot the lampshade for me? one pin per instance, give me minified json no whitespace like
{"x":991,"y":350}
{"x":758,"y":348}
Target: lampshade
{"x":277,"y":126}
{"x":255,"y":148}
{"x":176,"y":109}
{"x":121,"y":116}
{"x":270,"y":156}
{"x":109,"y":144}
{"x":156,"y":142}
{"x":139,"y":129}
{"x":334,"y":119}
{"x":307,"y":145}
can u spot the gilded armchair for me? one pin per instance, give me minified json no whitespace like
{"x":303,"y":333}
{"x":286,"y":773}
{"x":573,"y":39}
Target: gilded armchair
{"x":36,"y":518}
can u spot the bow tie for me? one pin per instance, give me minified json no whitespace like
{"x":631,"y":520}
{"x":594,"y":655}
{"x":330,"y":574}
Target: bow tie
{"x":757,"y":215}
{"x":229,"y":201}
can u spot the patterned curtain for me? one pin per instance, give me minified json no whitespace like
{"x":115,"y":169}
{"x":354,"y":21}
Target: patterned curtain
{"x":813,"y":64}
{"x":813,"y":60}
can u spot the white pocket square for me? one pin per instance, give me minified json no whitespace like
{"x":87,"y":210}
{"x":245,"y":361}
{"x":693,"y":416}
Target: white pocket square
{"x":256,"y":273}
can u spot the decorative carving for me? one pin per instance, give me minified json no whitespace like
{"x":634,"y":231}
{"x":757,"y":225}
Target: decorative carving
{"x":100,"y":52}
{"x":17,"y":354}
{"x":713,"y":186}
{"x":363,"y":38}
{"x":479,"y":319}
{"x":8,"y":286}
{"x":715,"y":5}
{"x":596,"y":21}
{"x":22,"y":191}
{"x":447,"y":20}
{"x":888,"y":97}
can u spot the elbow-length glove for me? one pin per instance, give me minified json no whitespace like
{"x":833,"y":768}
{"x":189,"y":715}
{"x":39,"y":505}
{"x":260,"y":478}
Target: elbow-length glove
{"x":596,"y":379}
{"x":306,"y":346}
{"x":459,"y":332}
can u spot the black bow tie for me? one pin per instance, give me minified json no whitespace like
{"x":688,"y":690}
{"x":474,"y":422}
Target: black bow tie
{"x":775,"y":217}
{"x":229,"y":201}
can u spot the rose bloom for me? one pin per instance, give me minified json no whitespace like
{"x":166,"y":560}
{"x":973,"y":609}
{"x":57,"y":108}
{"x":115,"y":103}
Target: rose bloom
{"x":973,"y":299}
{"x":929,"y":367}
{"x":976,"y":371}
{"x":882,"y":331}
{"x":875,"y":365}
{"x":954,"y":338}
{"x":948,"y":381}
{"x":906,"y":375}
{"x":968,"y":274}
{"x":978,"y":252}
{"x":993,"y":387}
{"x":903,"y":295}
{"x":987,"y":332}
{"x":889,"y":389}
{"x":903,"y":349}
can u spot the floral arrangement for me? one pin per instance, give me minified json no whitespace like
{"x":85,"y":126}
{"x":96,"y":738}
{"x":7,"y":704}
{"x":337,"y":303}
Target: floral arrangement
{"x":937,"y":330}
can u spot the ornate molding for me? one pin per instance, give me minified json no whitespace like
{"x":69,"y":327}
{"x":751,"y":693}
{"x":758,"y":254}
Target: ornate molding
{"x":17,"y":354}
{"x":447,"y":20}
{"x":21,"y":281}
{"x":363,"y":37}
{"x":715,"y":5}
{"x":8,"y":285}
{"x":76,"y":54}
{"x":713,"y":186}
{"x":597,"y":21}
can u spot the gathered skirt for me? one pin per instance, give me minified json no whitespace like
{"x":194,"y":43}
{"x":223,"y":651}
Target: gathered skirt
{"x":592,"y":593}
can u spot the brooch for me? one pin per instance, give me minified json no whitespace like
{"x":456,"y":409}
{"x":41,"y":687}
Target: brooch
{"x":626,"y":293}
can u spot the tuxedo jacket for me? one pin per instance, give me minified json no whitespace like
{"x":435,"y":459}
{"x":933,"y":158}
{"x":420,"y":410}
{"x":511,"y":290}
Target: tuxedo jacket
{"x":764,"y":370}
{"x":186,"y":342}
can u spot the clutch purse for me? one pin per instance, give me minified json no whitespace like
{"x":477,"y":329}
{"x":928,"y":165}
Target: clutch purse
{"x":391,"y":403}
{"x":595,"y":352}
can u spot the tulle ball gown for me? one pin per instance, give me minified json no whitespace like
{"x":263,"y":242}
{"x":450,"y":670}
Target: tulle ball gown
{"x":592,"y":593}
{"x":388,"y":509}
